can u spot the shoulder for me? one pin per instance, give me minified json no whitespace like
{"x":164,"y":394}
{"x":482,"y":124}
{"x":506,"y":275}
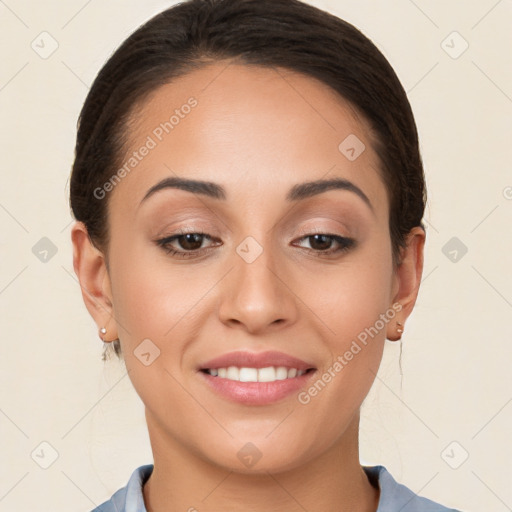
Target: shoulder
{"x":394,"y":494}
{"x":129,"y":498}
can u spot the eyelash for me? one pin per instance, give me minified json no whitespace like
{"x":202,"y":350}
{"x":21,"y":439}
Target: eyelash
{"x":345,"y":244}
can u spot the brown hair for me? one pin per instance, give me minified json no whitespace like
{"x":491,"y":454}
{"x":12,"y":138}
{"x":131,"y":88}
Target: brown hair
{"x":282,"y":33}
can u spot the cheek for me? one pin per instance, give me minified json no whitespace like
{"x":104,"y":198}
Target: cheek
{"x":354,"y":296}
{"x":353,"y":314}
{"x":154,"y":301}
{"x":357,"y":310}
{"x":151,"y":294}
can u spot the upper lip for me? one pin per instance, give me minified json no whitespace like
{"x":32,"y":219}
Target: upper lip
{"x":246,"y":359}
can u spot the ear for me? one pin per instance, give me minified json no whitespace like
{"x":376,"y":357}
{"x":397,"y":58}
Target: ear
{"x":91,"y":269}
{"x":407,"y":279}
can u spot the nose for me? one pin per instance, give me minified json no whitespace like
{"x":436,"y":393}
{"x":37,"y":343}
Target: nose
{"x":256,"y":296}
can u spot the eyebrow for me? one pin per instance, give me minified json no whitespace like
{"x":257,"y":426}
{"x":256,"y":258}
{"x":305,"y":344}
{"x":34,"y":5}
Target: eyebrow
{"x":296,"y":193}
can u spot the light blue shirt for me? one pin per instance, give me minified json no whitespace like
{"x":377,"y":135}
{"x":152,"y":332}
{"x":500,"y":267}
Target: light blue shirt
{"x":394,"y":497}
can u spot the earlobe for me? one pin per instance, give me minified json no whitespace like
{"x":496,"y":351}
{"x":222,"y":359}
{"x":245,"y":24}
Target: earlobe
{"x":90,"y":267}
{"x":408,"y":279}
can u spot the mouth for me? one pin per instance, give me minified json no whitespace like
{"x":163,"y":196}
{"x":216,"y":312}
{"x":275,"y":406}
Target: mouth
{"x":256,"y":378}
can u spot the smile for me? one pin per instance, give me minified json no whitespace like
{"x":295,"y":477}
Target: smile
{"x":245,"y":374}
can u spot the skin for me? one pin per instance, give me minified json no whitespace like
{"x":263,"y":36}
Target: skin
{"x":257,"y":132}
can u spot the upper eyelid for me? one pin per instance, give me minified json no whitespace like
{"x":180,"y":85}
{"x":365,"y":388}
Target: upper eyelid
{"x":320,"y":231}
{"x":304,"y":233}
{"x":206,"y":230}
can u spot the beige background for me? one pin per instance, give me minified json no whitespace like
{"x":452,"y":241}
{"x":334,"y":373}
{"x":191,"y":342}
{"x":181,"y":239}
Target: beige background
{"x":457,"y":350}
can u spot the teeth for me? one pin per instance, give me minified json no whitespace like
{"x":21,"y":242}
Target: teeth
{"x":233,"y":373}
{"x":248,"y":375}
{"x":281,"y":373}
{"x":268,"y":374}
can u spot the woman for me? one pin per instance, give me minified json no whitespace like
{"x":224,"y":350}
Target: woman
{"x":249,"y":194}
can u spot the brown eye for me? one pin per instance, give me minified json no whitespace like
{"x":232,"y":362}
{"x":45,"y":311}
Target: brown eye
{"x":321,"y":243}
{"x":184,"y":245}
{"x":190,"y":241}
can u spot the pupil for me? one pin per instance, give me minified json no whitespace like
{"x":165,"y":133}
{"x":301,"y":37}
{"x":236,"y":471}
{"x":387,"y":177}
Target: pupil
{"x":191,"y":241}
{"x":321,"y":237}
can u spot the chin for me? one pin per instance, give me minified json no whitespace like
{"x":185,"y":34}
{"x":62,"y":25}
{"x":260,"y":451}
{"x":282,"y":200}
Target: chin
{"x":260,"y":456}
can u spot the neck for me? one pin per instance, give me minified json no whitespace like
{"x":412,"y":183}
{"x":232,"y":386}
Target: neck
{"x":332,"y":482}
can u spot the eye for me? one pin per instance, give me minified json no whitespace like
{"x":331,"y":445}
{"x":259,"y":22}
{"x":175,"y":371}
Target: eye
{"x":189,"y":243}
{"x":322,"y":243}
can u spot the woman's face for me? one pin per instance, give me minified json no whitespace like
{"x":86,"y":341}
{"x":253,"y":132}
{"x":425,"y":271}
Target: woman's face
{"x":259,"y":279}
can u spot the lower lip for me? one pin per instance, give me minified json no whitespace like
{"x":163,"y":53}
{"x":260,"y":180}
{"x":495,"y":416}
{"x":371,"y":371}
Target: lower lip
{"x":256,"y":393}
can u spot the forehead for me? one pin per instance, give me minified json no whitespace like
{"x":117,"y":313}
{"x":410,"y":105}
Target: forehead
{"x":252,"y":129}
